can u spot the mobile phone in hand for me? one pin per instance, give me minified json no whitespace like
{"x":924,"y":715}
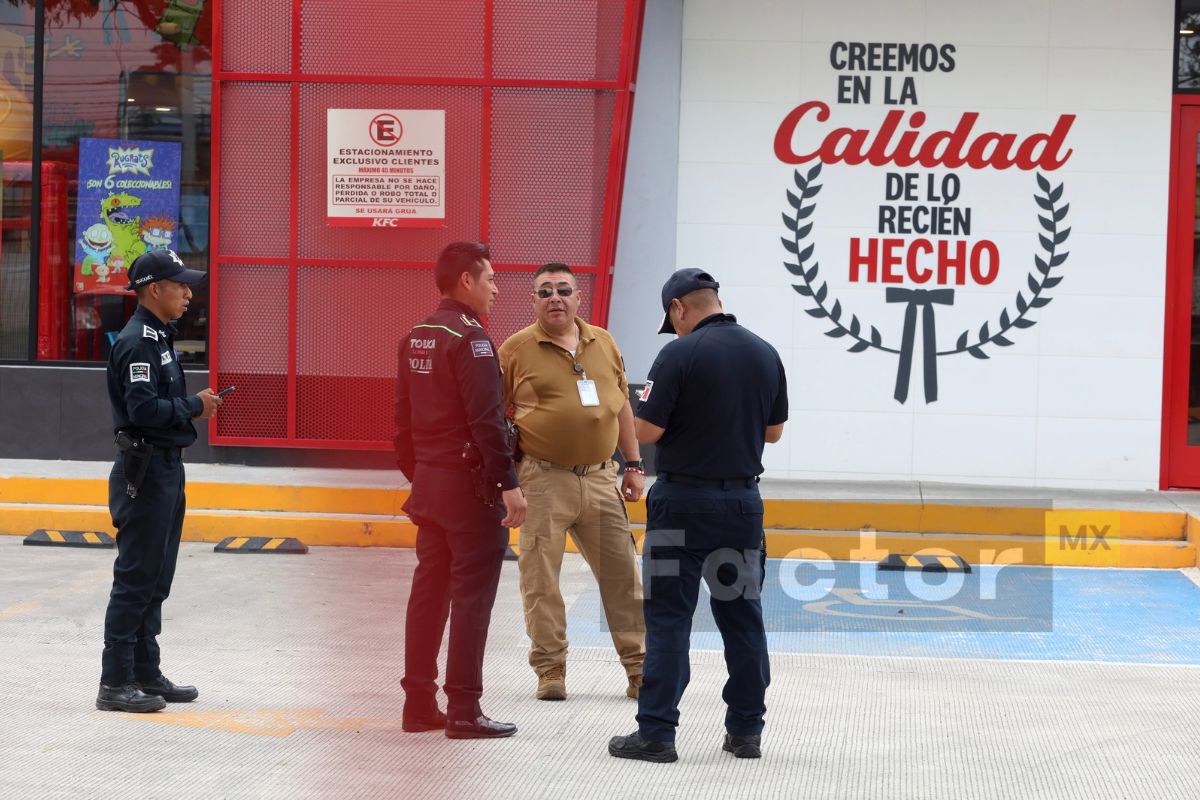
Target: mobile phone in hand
{"x":227,"y":390}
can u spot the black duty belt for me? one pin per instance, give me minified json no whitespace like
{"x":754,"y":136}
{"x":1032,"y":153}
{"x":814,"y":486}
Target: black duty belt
{"x":720,"y":483}
{"x":155,"y":450}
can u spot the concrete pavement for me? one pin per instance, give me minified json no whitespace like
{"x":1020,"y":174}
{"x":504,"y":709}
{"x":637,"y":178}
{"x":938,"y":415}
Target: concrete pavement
{"x":298,"y":660}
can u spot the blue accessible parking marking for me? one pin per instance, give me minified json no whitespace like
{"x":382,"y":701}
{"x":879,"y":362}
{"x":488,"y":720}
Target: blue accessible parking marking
{"x":1140,"y":616}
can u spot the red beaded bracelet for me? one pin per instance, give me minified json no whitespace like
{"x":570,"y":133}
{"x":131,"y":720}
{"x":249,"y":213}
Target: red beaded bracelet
{"x":638,"y":470}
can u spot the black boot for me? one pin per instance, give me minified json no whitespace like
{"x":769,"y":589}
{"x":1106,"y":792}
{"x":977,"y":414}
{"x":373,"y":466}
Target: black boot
{"x":742,"y":746}
{"x":127,"y":698}
{"x":634,"y":746}
{"x":168,"y":691}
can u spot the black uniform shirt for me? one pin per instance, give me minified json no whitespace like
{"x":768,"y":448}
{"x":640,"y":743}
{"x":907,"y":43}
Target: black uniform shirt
{"x":449,"y":392}
{"x":714,"y":392}
{"x":145,"y":384}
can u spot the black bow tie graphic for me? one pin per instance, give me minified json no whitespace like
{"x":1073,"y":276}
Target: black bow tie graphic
{"x":926,"y":300}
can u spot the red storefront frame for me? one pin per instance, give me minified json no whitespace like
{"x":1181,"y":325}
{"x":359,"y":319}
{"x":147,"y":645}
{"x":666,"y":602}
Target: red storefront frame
{"x":1180,"y":463}
{"x":255,"y":407}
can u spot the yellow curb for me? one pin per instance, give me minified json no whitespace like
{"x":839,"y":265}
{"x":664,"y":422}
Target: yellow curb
{"x":973,"y":548}
{"x":400,"y":532}
{"x":315,"y":499}
{"x":231,"y":496}
{"x":982,"y":549}
{"x":779,"y":513}
{"x":939,"y":518}
{"x":208,"y":526}
{"x":1192,"y":529}
{"x":50,"y":491}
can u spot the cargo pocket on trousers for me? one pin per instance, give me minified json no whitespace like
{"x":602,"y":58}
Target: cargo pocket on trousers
{"x":751,"y":507}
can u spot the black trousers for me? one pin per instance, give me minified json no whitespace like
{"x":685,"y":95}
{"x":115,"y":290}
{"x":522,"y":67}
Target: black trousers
{"x":148,"y":532}
{"x":714,"y":535}
{"x":460,"y":550}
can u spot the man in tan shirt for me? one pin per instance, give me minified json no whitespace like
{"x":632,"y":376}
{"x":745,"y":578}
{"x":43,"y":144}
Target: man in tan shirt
{"x":565,"y":383}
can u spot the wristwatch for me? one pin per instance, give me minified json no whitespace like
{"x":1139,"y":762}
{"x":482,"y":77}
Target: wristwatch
{"x":635,"y":465}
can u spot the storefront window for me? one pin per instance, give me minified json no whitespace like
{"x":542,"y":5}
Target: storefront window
{"x":16,"y":152}
{"x":126,"y":126}
{"x":1187,"y":65}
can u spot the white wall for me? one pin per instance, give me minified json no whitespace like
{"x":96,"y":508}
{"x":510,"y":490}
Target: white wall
{"x":646,"y":240}
{"x":1076,"y":399}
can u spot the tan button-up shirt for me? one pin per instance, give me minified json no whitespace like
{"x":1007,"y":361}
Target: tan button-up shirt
{"x":542,"y":387}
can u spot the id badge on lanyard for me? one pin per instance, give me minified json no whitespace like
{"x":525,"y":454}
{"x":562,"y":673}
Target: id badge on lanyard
{"x":587,"y":392}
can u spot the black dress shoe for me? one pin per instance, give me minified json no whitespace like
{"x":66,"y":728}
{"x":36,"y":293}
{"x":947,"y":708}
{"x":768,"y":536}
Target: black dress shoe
{"x":479,"y":728}
{"x":634,"y":746}
{"x":168,"y":691}
{"x":430,"y":721}
{"x":742,"y":746}
{"x":127,"y":698}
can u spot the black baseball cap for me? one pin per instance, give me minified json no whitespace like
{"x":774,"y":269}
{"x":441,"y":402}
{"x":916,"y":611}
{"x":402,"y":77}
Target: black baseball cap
{"x":161,"y":265}
{"x":681,"y":282}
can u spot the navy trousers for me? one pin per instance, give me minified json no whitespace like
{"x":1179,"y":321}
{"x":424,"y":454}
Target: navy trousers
{"x":148,"y":532}
{"x":460,"y":551}
{"x":714,"y":535}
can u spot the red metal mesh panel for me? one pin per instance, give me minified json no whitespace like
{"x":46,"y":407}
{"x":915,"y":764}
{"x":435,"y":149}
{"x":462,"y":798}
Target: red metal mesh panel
{"x":252,"y":329}
{"x":255,"y":181}
{"x":563,"y":40}
{"x":392,"y":37}
{"x":256,"y":35}
{"x":546,"y":179}
{"x":463,"y":105}
{"x":349,"y":324}
{"x":549,"y":171}
{"x":513,"y":309}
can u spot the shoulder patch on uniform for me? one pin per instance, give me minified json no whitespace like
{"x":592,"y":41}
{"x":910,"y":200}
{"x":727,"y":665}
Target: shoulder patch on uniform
{"x":166,"y":357}
{"x":139,"y":371}
{"x":645,"y":395}
{"x":481,"y":348}
{"x":149,"y":333}
{"x":468,"y":321}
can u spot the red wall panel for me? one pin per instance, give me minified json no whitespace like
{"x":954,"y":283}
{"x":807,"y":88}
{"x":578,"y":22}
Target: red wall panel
{"x":306,"y":318}
{"x":464,"y":173}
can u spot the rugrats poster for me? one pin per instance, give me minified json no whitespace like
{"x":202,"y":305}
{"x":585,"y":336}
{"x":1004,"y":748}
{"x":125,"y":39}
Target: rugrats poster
{"x":128,"y":204}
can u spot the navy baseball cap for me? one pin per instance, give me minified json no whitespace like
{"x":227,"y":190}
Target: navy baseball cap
{"x":681,"y":282}
{"x":161,"y":265}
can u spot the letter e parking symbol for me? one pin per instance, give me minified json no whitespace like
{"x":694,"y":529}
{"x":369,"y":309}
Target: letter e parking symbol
{"x":386,"y":130}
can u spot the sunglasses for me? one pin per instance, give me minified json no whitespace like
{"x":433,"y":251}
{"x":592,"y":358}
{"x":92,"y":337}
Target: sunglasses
{"x":546,"y":292}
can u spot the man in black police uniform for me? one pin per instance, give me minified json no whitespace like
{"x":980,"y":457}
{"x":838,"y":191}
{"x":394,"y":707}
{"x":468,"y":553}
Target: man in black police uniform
{"x":152,"y":420}
{"x":712,"y":398}
{"x":452,"y":445}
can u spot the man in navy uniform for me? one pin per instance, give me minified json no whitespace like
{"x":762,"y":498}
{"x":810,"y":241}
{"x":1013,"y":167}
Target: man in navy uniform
{"x":713,"y":397}
{"x":152,"y":420}
{"x":452,"y":445}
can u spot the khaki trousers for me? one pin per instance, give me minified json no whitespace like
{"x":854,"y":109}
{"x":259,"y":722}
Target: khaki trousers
{"x":591,"y":509}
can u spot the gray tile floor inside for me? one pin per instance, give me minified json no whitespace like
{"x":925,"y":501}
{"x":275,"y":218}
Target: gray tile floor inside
{"x":298,"y":662}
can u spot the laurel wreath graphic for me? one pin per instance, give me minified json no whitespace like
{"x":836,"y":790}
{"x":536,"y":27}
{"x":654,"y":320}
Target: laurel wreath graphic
{"x":808,"y":274}
{"x":1039,"y":280}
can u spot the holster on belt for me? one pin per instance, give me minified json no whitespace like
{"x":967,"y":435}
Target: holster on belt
{"x":512,"y":437}
{"x":135,"y":461}
{"x":486,"y":493}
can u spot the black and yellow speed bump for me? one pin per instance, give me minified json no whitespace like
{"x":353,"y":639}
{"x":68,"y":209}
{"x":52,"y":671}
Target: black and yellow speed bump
{"x":261,"y":544}
{"x":47,"y":538}
{"x":897,"y":562}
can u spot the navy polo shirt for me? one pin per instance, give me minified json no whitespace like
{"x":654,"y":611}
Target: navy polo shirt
{"x":714,"y":392}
